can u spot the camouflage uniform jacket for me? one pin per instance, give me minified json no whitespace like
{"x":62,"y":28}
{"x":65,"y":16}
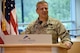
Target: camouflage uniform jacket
{"x":52,"y":26}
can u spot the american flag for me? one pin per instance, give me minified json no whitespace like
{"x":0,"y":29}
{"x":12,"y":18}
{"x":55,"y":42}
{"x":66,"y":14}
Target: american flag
{"x":9,"y":22}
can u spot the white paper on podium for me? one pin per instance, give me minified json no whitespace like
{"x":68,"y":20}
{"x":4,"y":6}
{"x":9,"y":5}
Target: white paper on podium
{"x":28,"y":39}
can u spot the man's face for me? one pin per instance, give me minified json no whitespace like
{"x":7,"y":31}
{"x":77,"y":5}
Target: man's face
{"x":42,"y":10}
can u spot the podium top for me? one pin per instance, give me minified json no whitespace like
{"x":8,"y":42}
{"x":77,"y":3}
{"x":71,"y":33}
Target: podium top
{"x":59,"y":45}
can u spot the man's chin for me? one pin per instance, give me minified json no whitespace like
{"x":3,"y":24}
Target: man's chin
{"x":45,"y":15}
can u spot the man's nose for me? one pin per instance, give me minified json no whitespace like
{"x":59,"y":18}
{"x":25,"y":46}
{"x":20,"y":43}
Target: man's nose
{"x":44,"y":9}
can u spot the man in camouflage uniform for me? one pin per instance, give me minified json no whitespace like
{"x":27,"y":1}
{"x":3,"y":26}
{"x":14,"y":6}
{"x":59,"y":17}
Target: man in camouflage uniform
{"x":47,"y":25}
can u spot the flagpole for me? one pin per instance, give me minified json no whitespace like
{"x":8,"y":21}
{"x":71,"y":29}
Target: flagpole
{"x":4,"y":7}
{"x":3,"y":13}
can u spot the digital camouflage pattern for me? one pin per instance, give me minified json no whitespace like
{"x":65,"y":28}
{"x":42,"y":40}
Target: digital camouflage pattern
{"x":52,"y":26}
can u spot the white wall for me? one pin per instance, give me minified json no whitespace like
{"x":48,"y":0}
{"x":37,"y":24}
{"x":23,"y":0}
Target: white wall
{"x":77,"y":12}
{"x":1,"y":49}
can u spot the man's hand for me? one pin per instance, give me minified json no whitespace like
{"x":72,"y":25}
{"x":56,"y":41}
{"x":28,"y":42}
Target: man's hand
{"x":67,"y":44}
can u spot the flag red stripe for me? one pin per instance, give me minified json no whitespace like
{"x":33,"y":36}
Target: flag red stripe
{"x":14,"y":24}
{"x":1,"y":41}
{"x":5,"y":32}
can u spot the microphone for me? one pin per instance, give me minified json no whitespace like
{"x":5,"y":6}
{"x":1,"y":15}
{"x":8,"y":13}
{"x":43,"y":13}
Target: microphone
{"x":25,"y":37}
{"x":40,"y":22}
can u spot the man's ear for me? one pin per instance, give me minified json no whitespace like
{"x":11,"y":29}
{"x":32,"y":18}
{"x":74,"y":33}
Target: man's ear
{"x":37,"y":10}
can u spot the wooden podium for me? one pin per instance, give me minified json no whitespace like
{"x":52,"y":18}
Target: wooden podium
{"x":33,"y":48}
